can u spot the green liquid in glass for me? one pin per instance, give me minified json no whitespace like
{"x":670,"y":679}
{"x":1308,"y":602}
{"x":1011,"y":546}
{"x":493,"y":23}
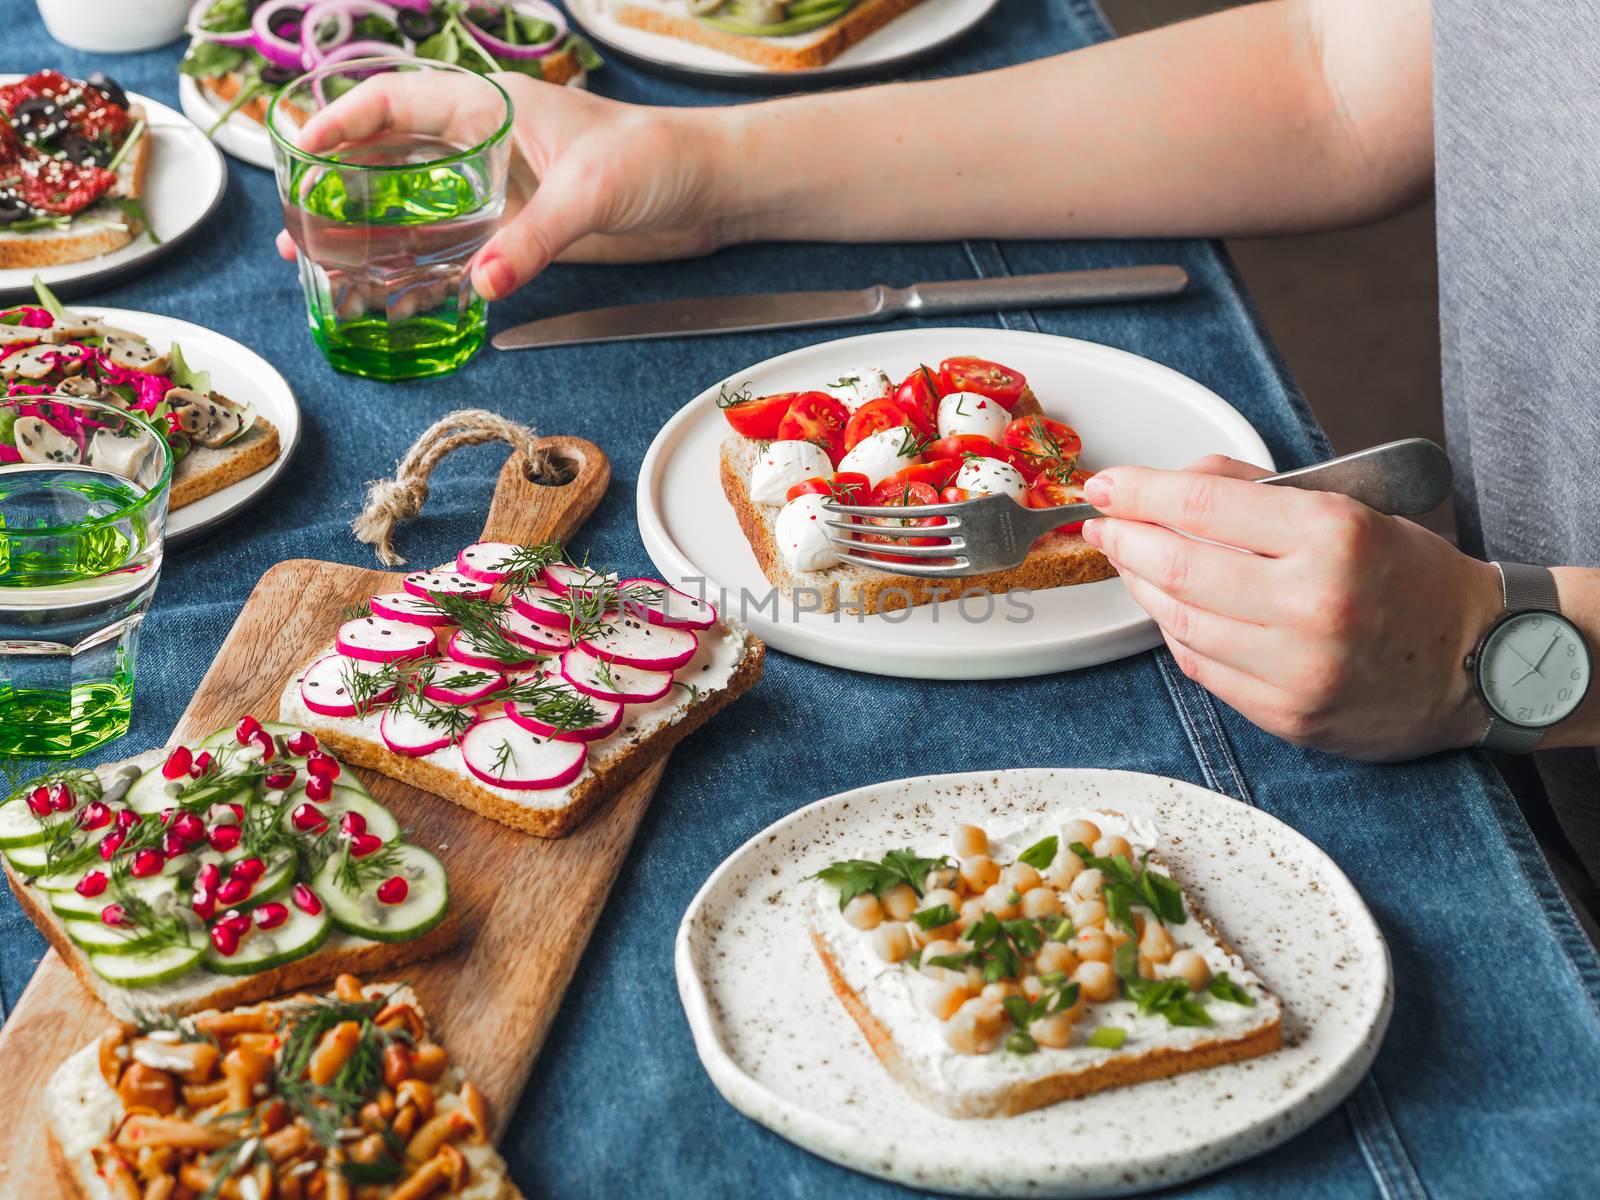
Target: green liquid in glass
{"x":75,"y":502}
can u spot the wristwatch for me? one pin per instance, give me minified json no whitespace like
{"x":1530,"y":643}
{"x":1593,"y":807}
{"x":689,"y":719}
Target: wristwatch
{"x":1532,"y":667}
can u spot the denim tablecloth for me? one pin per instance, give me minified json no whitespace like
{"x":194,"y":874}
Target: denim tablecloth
{"x":1489,"y":1081}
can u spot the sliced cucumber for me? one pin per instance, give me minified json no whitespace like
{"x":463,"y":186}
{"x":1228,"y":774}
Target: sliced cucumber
{"x":380,"y":821}
{"x":63,"y":881}
{"x":26,"y":860}
{"x":273,"y":884}
{"x":71,"y":907}
{"x":149,"y":969}
{"x":96,"y":937}
{"x":19,"y":827}
{"x":263,"y":949}
{"x":153,"y":792}
{"x":365,"y":915}
{"x":224,"y":737}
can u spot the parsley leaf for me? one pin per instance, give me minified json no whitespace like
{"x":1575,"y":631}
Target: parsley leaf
{"x":1041,"y":854}
{"x":856,"y":876}
{"x":1224,"y":988}
{"x":932,"y":918}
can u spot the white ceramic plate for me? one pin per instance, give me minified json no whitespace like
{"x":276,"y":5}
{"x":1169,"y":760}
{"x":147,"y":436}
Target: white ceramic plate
{"x":1128,"y":410}
{"x":239,"y":373}
{"x":930,"y":26}
{"x":241,"y":137}
{"x":183,"y":187}
{"x":782,"y":1050}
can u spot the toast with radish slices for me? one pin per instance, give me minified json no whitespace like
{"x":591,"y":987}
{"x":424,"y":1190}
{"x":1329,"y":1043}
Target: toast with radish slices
{"x":520,"y":686}
{"x":970,"y":428}
{"x":219,"y":873}
{"x":780,"y":38}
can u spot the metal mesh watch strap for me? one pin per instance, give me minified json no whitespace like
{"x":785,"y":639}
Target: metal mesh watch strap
{"x":1524,"y":587}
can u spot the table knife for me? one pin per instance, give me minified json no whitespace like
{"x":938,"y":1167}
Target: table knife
{"x":798,"y":310}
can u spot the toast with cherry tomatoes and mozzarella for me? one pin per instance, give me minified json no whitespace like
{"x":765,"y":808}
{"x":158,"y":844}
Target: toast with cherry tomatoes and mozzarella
{"x":520,"y":686}
{"x":966,"y":428}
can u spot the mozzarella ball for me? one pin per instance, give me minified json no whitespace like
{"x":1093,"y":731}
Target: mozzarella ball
{"x":989,"y":476}
{"x":782,"y":465}
{"x":970,"y":412}
{"x":802,"y":537}
{"x":878,"y":456}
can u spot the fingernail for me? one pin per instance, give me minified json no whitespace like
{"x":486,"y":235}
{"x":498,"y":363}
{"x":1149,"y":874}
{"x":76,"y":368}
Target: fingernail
{"x":1091,"y":529}
{"x":1097,"y":490}
{"x":498,"y":276}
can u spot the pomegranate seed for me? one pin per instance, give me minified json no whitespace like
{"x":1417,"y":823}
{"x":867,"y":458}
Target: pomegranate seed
{"x":204,"y":905}
{"x":223,"y":838}
{"x":146,"y":862}
{"x":232,"y":891}
{"x":282,"y":780}
{"x":177,"y":764}
{"x":201,"y":764}
{"x":91,"y":884}
{"x":111,"y":843}
{"x":363,"y":844}
{"x":208,"y":877}
{"x":225,"y":938}
{"x":127,"y":819}
{"x":246,"y":729}
{"x":172,"y":845}
{"x":270,"y":916}
{"x":301,"y":743}
{"x":94,"y":815}
{"x":166,"y":816}
{"x":263,"y":739}
{"x":307,"y":819}
{"x":189,"y":827}
{"x":323,"y":766}
{"x":393,"y":890}
{"x":318,"y":788}
{"x":39,"y":801}
{"x":306,"y":900}
{"x":352,"y":823}
{"x":248,"y":869}
{"x":61,"y":798}
{"x":114,"y":914}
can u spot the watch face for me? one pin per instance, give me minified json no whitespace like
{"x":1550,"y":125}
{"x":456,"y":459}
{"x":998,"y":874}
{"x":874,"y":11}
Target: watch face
{"x":1533,"y":669}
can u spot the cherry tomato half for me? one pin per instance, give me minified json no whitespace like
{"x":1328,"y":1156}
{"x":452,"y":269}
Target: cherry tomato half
{"x":755,"y":416}
{"x":955,"y":495}
{"x":847,"y":487}
{"x":958,"y":447}
{"x":876,"y":416}
{"x":910,"y":493}
{"x":935,"y":474}
{"x":920,"y":392}
{"x":818,"y":418}
{"x":984,"y":377}
{"x":1043,"y":446}
{"x":1048,"y":491}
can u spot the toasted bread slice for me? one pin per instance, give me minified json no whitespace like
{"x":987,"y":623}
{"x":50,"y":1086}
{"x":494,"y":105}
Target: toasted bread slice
{"x":99,"y":229}
{"x":205,"y":470}
{"x":1056,"y":560}
{"x":797,"y":52}
{"x":907,"y":1039}
{"x":644,"y":737}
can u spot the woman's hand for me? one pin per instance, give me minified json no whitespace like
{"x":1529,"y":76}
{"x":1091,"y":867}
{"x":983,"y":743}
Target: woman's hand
{"x":615,"y":182}
{"x":1343,"y":629}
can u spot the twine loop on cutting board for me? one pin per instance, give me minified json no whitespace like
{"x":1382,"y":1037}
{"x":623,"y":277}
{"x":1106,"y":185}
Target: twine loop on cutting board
{"x":391,"y":501}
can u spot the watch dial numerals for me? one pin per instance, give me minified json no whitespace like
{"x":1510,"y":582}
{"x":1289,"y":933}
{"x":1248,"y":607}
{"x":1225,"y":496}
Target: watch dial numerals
{"x":1533,"y":669}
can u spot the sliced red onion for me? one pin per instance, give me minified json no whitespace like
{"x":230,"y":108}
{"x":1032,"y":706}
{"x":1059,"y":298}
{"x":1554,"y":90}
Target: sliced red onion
{"x":311,"y":44}
{"x":537,"y":10}
{"x":369,"y":49}
{"x":423,"y":6}
{"x":239,"y":39}
{"x":276,"y":50}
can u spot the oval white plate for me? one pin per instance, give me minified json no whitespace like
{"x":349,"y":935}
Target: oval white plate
{"x":184,"y":185}
{"x":239,"y":373}
{"x":930,"y":26}
{"x":782,"y":1050}
{"x":1128,"y":410}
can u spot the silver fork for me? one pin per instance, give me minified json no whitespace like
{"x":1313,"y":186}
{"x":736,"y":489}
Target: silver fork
{"x":994,"y":533}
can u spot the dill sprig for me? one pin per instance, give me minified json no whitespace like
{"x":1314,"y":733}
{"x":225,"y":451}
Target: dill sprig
{"x":526,"y":566}
{"x":328,"y":1108}
{"x":352,"y":873}
{"x":479,"y":623}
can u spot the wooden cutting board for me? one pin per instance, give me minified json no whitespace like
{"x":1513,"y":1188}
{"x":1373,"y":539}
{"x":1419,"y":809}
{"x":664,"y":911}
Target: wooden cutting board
{"x":527,"y":905}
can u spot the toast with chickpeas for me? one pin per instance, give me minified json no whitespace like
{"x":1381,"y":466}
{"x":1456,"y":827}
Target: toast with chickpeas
{"x":312,"y":1097}
{"x":1039,"y":965}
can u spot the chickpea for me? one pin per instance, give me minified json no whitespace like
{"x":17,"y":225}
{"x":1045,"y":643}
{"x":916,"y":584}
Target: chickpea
{"x":891,"y":942}
{"x":1041,"y":902}
{"x":1093,"y":944}
{"x":1085,"y":913}
{"x":1096,"y":981}
{"x":987,"y":1010}
{"x":1113,"y":846}
{"x":971,"y":913}
{"x":1086,"y":832}
{"x":899,"y":902}
{"x":1032,"y":987}
{"x":939,"y":949}
{"x":1054,"y":1031}
{"x":947,"y":998}
{"x":1056,"y":956}
{"x":1156,"y":944}
{"x":975,"y":980}
{"x":1001,"y":901}
{"x":940,"y":896}
{"x":942,"y":877}
{"x":979,"y":872}
{"x":1063,"y":870}
{"x":1189,"y":966}
{"x":1146,"y":968}
{"x":1020,"y":877}
{"x":970,"y":841}
{"x":1087,"y":885}
{"x":864,"y":911}
{"x":1001,"y":991}
{"x":966,"y":1034}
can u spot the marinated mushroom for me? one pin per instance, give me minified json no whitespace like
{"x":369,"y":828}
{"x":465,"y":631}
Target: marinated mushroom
{"x":40,"y":442}
{"x":135,"y":354}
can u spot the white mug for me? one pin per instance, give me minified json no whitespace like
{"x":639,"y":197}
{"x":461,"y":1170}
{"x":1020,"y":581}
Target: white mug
{"x":114,"y":26}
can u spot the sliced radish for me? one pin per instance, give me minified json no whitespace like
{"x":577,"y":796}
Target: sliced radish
{"x":541,"y":605}
{"x":378,"y":639}
{"x":677,"y":609}
{"x":634,"y":642}
{"x":403,"y":606}
{"x":323,"y":689}
{"x":608,"y":715}
{"x":504,"y":754}
{"x":613,"y":681}
{"x":561,"y":576}
{"x":463,"y":650}
{"x":444,"y":687}
{"x":445,"y":583}
{"x":486,"y":562}
{"x":406,"y":733}
{"x":527,"y":632}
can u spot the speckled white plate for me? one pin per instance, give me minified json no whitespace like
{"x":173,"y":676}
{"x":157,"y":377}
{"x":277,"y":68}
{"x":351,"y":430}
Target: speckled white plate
{"x":782,"y":1050}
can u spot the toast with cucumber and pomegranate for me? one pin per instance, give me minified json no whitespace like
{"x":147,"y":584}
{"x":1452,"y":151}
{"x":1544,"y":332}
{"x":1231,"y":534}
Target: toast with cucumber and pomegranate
{"x":781,"y":35}
{"x":519,"y":686}
{"x":73,"y":158}
{"x":329,"y":1095}
{"x":970,"y":428}
{"x":247,"y":864}
{"x":1044,"y":963}
{"x":47,"y":347}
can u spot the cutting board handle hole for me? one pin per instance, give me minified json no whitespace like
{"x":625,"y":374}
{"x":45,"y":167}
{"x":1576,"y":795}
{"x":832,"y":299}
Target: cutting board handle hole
{"x":554,"y":470}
